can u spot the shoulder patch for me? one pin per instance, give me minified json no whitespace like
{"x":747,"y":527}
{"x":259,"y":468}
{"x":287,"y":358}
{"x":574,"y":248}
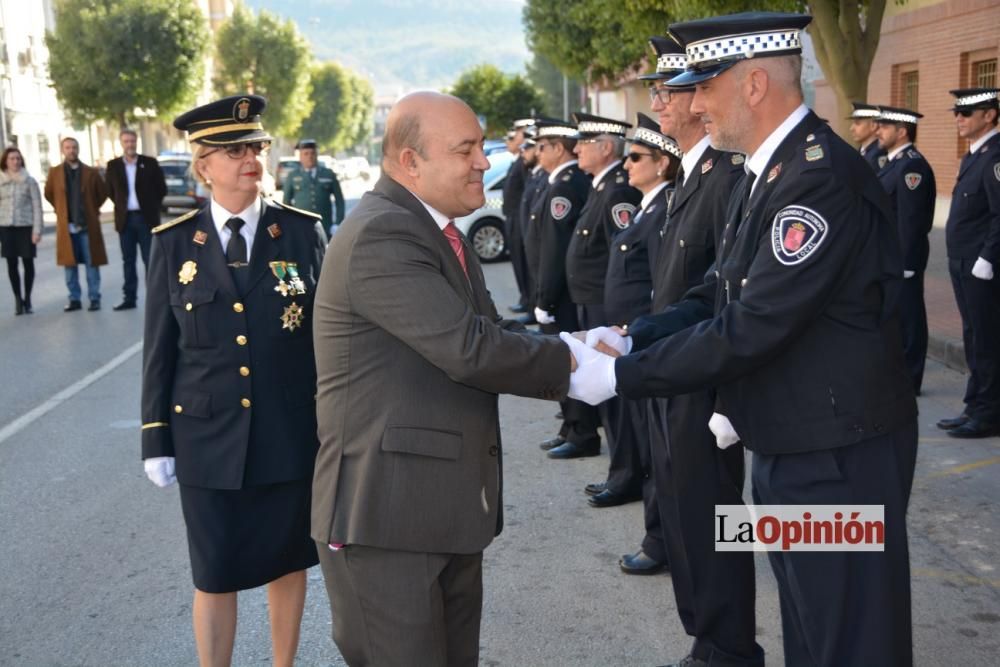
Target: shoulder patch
{"x":738,"y":158}
{"x":560,"y":207}
{"x":310,"y":214}
{"x":814,"y":153}
{"x":622,"y":214}
{"x":912,"y":153}
{"x":796,"y":233}
{"x":912,"y":180}
{"x":176,"y":221}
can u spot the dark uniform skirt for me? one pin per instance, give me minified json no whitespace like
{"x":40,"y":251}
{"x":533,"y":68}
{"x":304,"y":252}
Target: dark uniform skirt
{"x":247,"y":537}
{"x":16,"y":242}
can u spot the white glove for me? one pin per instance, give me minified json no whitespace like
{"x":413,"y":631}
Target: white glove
{"x":160,"y":470}
{"x":982,"y":269}
{"x":543,"y":317}
{"x":722,"y":429}
{"x":594,"y":380}
{"x":909,"y":274}
{"x":620,"y":344}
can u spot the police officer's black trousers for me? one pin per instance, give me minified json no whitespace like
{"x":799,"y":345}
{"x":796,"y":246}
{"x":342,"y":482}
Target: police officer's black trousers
{"x":580,"y":420}
{"x":518,"y":261}
{"x":845,"y":607}
{"x":979,"y":305}
{"x":913,"y":318}
{"x":715,"y":591}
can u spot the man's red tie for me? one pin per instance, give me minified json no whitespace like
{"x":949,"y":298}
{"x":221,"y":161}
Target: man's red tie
{"x":455,"y":239}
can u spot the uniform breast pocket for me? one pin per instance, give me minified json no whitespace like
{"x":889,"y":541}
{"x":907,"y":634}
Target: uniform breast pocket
{"x":193,"y":311}
{"x":972,"y":202}
{"x":636,"y":261}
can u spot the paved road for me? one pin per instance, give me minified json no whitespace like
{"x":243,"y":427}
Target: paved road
{"x":95,"y":561}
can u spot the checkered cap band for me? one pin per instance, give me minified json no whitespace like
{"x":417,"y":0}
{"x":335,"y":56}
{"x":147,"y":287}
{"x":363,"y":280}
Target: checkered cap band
{"x":658,"y":140}
{"x":670,"y":62}
{"x":556,"y":131}
{"x":591,"y":127}
{"x":978,"y":98}
{"x":896,"y":117}
{"x":865,"y":113}
{"x":742,"y":46}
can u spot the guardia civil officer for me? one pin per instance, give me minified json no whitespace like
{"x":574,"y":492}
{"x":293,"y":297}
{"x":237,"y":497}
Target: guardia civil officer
{"x":973,"y":238}
{"x":556,"y":214}
{"x":311,"y":186}
{"x":864,"y":124}
{"x":802,"y":343}
{"x":909,"y":181}
{"x":229,"y":380}
{"x":513,"y":190}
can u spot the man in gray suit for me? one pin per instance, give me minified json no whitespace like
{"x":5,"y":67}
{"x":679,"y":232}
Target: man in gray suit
{"x":411,"y":355}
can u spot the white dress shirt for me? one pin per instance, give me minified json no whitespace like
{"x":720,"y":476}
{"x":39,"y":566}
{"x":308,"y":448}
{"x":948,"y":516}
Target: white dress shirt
{"x":604,"y":172}
{"x":692,"y":157}
{"x":130,"y":169}
{"x":982,"y":140}
{"x":758,"y":161}
{"x":250,"y":217}
{"x":558,"y":170}
{"x":896,"y":151}
{"x":440,"y":218}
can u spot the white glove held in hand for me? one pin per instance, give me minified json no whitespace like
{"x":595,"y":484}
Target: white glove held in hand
{"x":722,"y":429}
{"x":982,"y":269}
{"x":543,"y":317}
{"x":593,"y":381}
{"x":160,"y":470}
{"x":620,"y":344}
{"x":909,"y":274}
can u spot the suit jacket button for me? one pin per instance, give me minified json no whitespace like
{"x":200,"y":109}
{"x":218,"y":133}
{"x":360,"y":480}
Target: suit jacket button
{"x":178,"y":409}
{"x":241,"y":340}
{"x":238,"y":307}
{"x":245,"y":402}
{"x":244,"y":371}
{"x":493,"y":450}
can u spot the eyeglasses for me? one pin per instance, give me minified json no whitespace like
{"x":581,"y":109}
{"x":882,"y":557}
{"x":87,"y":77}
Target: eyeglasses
{"x":964,"y":113}
{"x":636,"y":157}
{"x":239,"y":151}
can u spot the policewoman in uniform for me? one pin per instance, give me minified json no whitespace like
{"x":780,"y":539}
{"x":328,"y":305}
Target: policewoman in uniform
{"x":229,"y":380}
{"x":311,"y":186}
{"x":802,"y":342}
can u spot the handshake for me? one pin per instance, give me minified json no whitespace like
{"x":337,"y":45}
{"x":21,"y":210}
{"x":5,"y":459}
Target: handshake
{"x":594,"y":352}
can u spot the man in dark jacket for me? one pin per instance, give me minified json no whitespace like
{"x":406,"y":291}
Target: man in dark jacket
{"x":136,"y":186}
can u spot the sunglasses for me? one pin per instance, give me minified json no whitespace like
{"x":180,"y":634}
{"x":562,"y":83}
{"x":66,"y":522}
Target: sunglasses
{"x":239,"y":151}
{"x":635,"y":157}
{"x":964,"y":113}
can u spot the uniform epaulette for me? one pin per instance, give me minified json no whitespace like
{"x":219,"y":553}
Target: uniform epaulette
{"x":912,"y":153}
{"x":815,"y":149}
{"x":176,"y":221}
{"x":282,"y":204}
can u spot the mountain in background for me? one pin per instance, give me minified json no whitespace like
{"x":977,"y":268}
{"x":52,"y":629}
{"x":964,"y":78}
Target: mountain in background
{"x":402,"y":45}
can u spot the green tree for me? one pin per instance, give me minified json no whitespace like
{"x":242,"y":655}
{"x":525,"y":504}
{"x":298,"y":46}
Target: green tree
{"x":498,"y":97}
{"x":116,"y":59}
{"x":549,"y":80}
{"x":343,"y":116}
{"x":262,"y":54}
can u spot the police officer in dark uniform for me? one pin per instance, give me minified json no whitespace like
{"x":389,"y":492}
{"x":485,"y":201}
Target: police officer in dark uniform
{"x":556,"y":214}
{"x":229,"y":379}
{"x":513,"y":190}
{"x":973,"y":238}
{"x":909,"y":181}
{"x":864,"y":124}
{"x":801,"y":340}
{"x":536,"y":181}
{"x":311,"y":186}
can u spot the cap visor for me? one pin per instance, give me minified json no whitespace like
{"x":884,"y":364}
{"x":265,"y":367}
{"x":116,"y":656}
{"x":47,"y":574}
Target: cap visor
{"x":227,"y":138}
{"x":689,"y":78}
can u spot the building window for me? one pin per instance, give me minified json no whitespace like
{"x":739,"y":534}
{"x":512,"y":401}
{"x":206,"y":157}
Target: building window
{"x":910,"y":87}
{"x":984,"y":74}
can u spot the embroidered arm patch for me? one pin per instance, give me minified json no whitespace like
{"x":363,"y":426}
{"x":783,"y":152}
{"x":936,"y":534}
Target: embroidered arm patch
{"x":560,"y":207}
{"x":622,"y":214}
{"x":796,"y":233}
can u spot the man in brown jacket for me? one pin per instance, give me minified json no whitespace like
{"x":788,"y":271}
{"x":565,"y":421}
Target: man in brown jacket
{"x":77,"y":192}
{"x":411,"y":355}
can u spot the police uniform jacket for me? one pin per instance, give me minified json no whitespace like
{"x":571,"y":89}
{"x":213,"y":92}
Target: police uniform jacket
{"x":874,"y":155}
{"x":531,"y":202}
{"x":686,"y":244}
{"x":229,"y":380}
{"x":557,"y":216}
{"x":804,"y":348}
{"x":629,"y":282}
{"x":909,"y":181}
{"x":312,"y":193}
{"x":973,"y":228}
{"x":610,"y":206}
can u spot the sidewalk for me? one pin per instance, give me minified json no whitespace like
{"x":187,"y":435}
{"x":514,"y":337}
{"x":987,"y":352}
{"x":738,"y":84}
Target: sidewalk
{"x":943,"y":320}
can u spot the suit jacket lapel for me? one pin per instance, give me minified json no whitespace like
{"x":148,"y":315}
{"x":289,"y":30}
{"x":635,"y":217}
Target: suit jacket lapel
{"x":781,"y":156}
{"x":684,"y":192}
{"x":211,"y":258}
{"x":265,"y":248}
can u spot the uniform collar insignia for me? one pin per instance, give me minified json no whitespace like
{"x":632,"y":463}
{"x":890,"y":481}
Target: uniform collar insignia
{"x":773,"y":174}
{"x":706,"y":166}
{"x":274,"y":230}
{"x":200,"y":237}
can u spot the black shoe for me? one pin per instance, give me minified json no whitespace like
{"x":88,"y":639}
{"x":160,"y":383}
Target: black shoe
{"x":973,"y":428}
{"x":608,"y":498}
{"x":517,"y":308}
{"x":595,"y":488}
{"x":640,"y":563}
{"x":19,"y":306}
{"x":953,"y":422}
{"x":571,"y":450}
{"x":125,"y":305}
{"x":72,"y":305}
{"x":94,"y":305}
{"x":27,"y":307}
{"x":559,"y":415}
{"x":552,"y":443}
{"x":688,"y":661}
{"x":527,"y":319}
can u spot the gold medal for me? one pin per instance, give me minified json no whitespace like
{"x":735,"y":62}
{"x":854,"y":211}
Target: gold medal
{"x":292,"y":317}
{"x":187,"y":273}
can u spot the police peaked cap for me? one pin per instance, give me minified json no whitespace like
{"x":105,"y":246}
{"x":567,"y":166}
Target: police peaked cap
{"x":898,"y":115}
{"x":647,"y":132}
{"x":589,"y":125}
{"x":863,"y":111}
{"x":975,"y":98}
{"x":232,"y":120}
{"x":671,"y":59}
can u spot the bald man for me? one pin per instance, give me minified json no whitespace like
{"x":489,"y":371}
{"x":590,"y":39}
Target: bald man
{"x":411,"y":356}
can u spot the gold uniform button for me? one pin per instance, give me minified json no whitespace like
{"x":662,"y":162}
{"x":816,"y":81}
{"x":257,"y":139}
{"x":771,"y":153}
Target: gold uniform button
{"x":244,"y":371}
{"x":238,"y":307}
{"x":682,"y":243}
{"x":743,"y":282}
{"x":245,"y":402}
{"x":624,"y":247}
{"x":188,"y":306}
{"x":241,"y":340}
{"x":178,"y":409}
{"x":586,"y":232}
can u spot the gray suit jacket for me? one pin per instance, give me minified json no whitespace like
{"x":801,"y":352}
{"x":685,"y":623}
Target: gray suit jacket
{"x":411,"y":356}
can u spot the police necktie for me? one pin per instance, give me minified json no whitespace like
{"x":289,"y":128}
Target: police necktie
{"x":236,"y":253}
{"x":455,"y":239}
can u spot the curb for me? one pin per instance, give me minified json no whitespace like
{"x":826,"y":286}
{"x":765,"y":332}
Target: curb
{"x":948,"y":351}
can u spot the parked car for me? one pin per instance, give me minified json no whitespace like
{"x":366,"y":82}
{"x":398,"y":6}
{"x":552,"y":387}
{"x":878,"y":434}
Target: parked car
{"x":491,"y":146}
{"x":285,"y":166}
{"x":182,"y":190}
{"x":485,"y":228}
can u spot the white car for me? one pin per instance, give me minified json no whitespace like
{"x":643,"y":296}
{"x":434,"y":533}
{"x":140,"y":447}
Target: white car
{"x":485,"y":228}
